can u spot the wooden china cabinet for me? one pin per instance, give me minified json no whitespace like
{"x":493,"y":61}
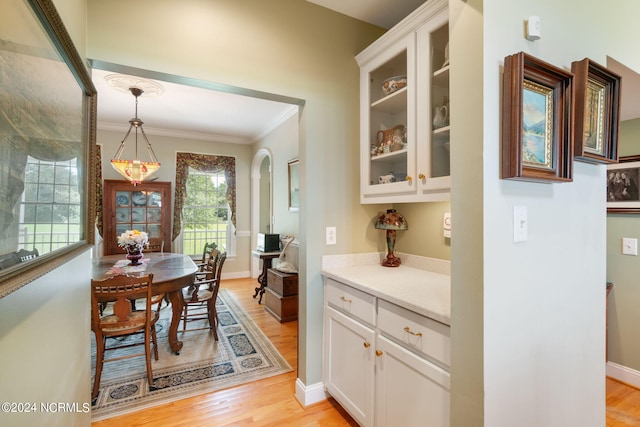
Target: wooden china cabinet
{"x":145,"y":207}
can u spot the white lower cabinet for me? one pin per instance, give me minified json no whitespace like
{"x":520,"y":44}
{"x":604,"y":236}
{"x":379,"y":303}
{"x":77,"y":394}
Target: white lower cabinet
{"x":410,"y":391}
{"x":386,"y":366}
{"x":349,"y":365}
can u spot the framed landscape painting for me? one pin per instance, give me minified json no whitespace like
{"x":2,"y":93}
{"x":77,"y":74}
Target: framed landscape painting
{"x":597,"y":112}
{"x":537,"y":121}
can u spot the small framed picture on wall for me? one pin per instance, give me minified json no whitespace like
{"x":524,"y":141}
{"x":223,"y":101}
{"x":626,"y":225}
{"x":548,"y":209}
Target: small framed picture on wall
{"x":294,"y":185}
{"x":623,"y":180}
{"x":537,"y":120}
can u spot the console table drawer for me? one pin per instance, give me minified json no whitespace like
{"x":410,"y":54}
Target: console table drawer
{"x":351,"y":301}
{"x":415,"y":332}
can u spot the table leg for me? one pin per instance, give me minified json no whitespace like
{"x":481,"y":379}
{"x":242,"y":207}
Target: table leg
{"x":262,"y":279}
{"x":177,"y":304}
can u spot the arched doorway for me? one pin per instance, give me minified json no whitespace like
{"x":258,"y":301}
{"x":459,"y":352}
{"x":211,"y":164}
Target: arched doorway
{"x":261,"y":200}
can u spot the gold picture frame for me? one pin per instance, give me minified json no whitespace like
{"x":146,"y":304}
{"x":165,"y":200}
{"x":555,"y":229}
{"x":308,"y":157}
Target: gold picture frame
{"x":597,"y":112}
{"x":294,"y":185}
{"x":49,"y":115}
{"x":537,"y":120}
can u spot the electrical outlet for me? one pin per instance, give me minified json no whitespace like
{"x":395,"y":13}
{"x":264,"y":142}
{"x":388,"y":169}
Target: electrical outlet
{"x":331,"y":235}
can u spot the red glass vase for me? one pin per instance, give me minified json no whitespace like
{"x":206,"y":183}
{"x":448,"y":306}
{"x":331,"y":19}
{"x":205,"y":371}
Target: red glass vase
{"x":134,"y":254}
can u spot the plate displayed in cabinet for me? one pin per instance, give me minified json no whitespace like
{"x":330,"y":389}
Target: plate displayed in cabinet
{"x":139,"y":198}
{"x":122,"y":198}
{"x":123,"y":215}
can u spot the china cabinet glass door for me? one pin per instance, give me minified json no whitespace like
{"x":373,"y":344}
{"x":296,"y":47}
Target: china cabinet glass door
{"x":145,"y":207}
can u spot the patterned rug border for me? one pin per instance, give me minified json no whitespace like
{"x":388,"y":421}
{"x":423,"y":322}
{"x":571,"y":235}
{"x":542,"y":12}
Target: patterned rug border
{"x":277,"y":365}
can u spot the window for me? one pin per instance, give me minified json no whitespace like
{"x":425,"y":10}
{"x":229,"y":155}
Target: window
{"x":50,"y":211}
{"x":206,"y":213}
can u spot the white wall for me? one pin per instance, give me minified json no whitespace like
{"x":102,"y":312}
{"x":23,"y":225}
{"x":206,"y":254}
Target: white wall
{"x":541,"y":303}
{"x":282,"y":143}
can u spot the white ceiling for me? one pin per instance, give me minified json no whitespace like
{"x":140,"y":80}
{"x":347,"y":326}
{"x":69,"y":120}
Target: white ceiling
{"x":190,"y":112}
{"x":383,"y":13}
{"x":208,"y":114}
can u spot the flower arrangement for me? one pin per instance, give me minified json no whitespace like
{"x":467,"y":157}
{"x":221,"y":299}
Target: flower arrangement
{"x":133,"y":240}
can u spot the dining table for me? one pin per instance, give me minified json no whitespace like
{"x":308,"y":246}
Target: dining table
{"x":171,"y":273}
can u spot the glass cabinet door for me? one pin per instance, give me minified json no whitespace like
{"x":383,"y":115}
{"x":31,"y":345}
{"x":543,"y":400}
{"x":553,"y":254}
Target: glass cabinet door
{"x":433,"y":98}
{"x":145,"y":207}
{"x":388,"y":144}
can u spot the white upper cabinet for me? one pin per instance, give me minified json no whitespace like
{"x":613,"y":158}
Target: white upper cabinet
{"x":404,"y":115}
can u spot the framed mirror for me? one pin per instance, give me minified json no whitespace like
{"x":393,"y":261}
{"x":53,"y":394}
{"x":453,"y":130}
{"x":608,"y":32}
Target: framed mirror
{"x":47,"y":143}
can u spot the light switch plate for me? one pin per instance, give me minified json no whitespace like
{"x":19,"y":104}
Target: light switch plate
{"x":520,"y":224}
{"x":629,"y":246}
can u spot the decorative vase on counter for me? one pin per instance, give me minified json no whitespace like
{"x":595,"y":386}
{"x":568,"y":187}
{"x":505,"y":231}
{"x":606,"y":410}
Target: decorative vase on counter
{"x":134,"y":254}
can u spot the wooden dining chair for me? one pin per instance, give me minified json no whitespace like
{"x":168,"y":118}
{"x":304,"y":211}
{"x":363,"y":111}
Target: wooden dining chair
{"x":123,"y":321}
{"x":155,"y":246}
{"x":200,"y":297}
{"x":208,"y":249}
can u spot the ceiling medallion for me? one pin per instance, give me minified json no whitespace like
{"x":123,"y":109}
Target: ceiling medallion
{"x":124,"y":83}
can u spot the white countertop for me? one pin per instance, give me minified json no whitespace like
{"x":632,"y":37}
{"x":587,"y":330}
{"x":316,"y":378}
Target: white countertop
{"x":424,"y":292}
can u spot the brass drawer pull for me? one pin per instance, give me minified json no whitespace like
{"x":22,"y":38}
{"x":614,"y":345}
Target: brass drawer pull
{"x":408,"y":330}
{"x":378,"y":353}
{"x":367,"y":344}
{"x":346,"y":299}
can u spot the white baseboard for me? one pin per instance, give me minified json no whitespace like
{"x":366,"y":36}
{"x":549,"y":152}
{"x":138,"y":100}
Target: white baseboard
{"x":623,"y":374}
{"x":308,"y":395}
{"x":236,"y":275}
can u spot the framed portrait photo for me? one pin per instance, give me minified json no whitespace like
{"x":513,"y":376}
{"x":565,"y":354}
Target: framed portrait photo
{"x":537,"y":120}
{"x":623,"y":180}
{"x":597,"y":112}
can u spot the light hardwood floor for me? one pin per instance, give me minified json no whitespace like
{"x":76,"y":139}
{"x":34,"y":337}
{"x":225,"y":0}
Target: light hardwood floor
{"x":268,"y":402}
{"x":623,"y":404}
{"x":271,"y":402}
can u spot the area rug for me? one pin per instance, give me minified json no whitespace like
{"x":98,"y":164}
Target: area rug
{"x":242,"y":354}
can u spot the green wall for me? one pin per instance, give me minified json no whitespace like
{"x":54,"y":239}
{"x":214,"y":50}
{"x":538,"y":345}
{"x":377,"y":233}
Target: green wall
{"x":624,"y":270}
{"x":286,"y":47}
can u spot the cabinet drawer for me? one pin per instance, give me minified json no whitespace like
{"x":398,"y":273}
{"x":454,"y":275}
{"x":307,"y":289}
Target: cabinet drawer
{"x":351,"y":301}
{"x":415,"y":332}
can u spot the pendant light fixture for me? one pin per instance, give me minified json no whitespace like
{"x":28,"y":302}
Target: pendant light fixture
{"x":135,"y":170}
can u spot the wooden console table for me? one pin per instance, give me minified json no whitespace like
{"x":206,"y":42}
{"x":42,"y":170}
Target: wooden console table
{"x":267,"y":260}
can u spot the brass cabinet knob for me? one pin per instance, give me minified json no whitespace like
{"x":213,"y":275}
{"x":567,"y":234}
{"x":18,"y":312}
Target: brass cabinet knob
{"x":409,"y":178}
{"x":367,"y":344}
{"x":421,"y":176}
{"x":378,"y":353}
